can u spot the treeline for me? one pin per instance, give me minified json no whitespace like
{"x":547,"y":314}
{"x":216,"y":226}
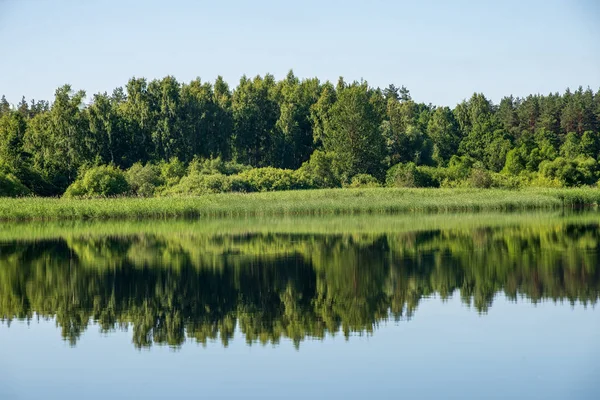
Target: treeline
{"x":329,"y":133}
{"x":276,"y":285}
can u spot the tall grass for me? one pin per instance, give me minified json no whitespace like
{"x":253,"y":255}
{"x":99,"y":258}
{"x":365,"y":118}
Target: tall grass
{"x":305,"y":202}
{"x":362,"y":224}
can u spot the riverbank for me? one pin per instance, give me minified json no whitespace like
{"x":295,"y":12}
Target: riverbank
{"x":301,"y":202}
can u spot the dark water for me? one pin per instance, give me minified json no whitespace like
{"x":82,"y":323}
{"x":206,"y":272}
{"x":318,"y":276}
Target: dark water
{"x":466,"y":310}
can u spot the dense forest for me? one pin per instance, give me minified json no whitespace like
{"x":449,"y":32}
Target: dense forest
{"x":173,"y":286}
{"x":165,"y":137}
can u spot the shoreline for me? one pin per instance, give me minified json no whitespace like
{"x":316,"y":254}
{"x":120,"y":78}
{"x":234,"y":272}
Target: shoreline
{"x":380,"y":201}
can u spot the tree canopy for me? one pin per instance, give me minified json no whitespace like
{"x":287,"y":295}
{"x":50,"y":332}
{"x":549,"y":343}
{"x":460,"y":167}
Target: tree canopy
{"x":263,"y":122}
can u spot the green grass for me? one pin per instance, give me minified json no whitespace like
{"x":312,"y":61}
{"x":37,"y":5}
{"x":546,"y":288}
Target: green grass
{"x":308,"y":202}
{"x":374,"y":224}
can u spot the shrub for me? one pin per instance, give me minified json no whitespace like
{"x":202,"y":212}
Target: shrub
{"x":516,"y":162}
{"x":270,"y":179}
{"x":101,"y":181}
{"x":459,"y":168}
{"x":503,"y":181}
{"x":539,"y":180}
{"x":10,"y":186}
{"x":320,"y":170}
{"x":364,"y":180}
{"x":35,"y":182}
{"x":199,"y":184}
{"x":144,"y":179}
{"x":409,"y":175}
{"x":480,"y":178}
{"x":571,"y":172}
{"x":213,"y":166}
{"x":172,"y":171}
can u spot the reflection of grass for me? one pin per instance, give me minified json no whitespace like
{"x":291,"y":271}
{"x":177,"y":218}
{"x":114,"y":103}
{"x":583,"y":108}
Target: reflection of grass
{"x":309,"y":202}
{"x":331,"y":224}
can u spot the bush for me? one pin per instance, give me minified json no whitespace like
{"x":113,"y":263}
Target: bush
{"x":171,"y":172}
{"x":571,"y":172}
{"x":101,"y":181}
{"x":10,"y":186}
{"x":214,"y":166}
{"x":409,"y":175}
{"x":35,"y":182}
{"x":199,"y":184}
{"x":504,"y":181}
{"x":143,"y":180}
{"x":271,"y":179}
{"x":364,"y":180}
{"x":480,"y":178}
{"x":320,"y":170}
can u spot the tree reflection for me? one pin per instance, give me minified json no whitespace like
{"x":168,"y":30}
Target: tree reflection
{"x":169,"y":288}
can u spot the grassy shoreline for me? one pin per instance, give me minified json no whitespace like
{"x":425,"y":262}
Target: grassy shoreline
{"x":356,"y":225}
{"x":305,"y":202}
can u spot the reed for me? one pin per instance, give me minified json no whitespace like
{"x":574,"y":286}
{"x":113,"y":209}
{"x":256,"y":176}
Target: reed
{"x":300,"y":202}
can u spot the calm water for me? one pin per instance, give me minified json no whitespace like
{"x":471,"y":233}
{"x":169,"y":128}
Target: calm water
{"x":383,"y":307}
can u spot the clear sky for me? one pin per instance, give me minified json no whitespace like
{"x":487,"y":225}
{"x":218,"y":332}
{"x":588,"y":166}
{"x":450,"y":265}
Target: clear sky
{"x":443,"y":51}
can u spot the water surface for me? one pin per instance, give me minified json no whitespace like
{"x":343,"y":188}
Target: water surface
{"x":456,"y":306}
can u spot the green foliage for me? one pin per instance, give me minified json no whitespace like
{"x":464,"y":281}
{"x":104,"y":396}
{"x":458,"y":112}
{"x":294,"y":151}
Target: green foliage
{"x":364,"y":181}
{"x":571,"y":172}
{"x":200,"y":184}
{"x":327,"y":132}
{"x":409,"y":175}
{"x":516,"y":161}
{"x":444,"y":133}
{"x":352,"y":132}
{"x":172,"y":171}
{"x":571,"y":148}
{"x":480,"y":178}
{"x":321,"y":170}
{"x":10,"y":186}
{"x":144,"y":180}
{"x":270,"y":179}
{"x":213,"y":166}
{"x":103,"y":181}
{"x":306,"y":202}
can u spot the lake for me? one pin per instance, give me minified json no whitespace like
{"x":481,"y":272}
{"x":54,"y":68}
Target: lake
{"x":400,"y":306}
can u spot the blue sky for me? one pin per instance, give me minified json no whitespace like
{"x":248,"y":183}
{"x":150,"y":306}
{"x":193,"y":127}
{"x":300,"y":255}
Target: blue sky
{"x":443,"y":51}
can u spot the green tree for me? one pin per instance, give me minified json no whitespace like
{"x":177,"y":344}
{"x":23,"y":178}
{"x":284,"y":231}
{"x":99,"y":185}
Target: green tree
{"x":4,"y":106}
{"x":444,"y":134}
{"x":295,"y":100}
{"x":12,"y":132}
{"x":168,"y":133}
{"x":138,"y":116}
{"x":106,"y":130}
{"x":353,"y":134}
{"x":571,"y":148}
{"x":255,"y":114}
{"x":58,"y":139}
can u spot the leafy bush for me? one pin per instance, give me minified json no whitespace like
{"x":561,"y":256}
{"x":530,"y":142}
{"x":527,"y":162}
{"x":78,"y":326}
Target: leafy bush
{"x":144,"y":179}
{"x":101,"y":181}
{"x":320,"y":170}
{"x":480,"y":178}
{"x":571,"y":172}
{"x":270,"y":179}
{"x":409,"y":175}
{"x":504,"y":181}
{"x":172,"y":171}
{"x":541,"y":181}
{"x":515,"y":161}
{"x":10,"y":186}
{"x":199,"y":184}
{"x":35,"y":182}
{"x":364,"y":180}
{"x":213,"y":166}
